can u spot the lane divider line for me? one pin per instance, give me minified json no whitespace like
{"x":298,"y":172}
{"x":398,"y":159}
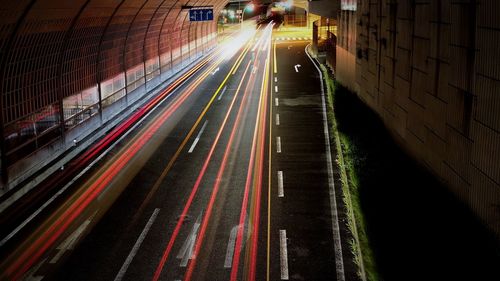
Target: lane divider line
{"x":283,"y":255}
{"x":277,"y":119}
{"x":222,"y":93}
{"x":281,"y":191}
{"x":137,"y":244}
{"x":276,"y":101}
{"x":276,"y":89}
{"x":278,"y":144}
{"x":198,"y":137}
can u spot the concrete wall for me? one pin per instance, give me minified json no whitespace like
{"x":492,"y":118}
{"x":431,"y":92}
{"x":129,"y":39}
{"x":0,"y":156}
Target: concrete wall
{"x":68,"y":67}
{"x":431,"y":70}
{"x":324,"y":8}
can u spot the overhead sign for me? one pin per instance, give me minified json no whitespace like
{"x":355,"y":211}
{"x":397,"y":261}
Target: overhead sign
{"x":348,"y":5}
{"x":201,"y":14}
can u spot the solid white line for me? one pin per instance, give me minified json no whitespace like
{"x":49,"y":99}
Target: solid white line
{"x":198,"y":137}
{"x":277,"y":119}
{"x":230,"y":248}
{"x":337,"y":245}
{"x":137,"y":244}
{"x":222,"y":93}
{"x":278,"y":144}
{"x":281,"y":191}
{"x":276,"y":101}
{"x":276,"y":89}
{"x":283,"y":255}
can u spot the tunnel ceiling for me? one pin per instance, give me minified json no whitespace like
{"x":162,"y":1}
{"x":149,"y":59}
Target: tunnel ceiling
{"x":53,"y":50}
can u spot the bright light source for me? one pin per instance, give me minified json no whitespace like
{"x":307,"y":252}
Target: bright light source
{"x":250,"y":7}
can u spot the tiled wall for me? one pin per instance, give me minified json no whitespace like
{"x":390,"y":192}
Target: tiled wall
{"x":431,"y":70}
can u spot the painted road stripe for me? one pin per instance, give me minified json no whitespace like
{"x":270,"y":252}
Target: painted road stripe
{"x":198,"y":137}
{"x":337,"y":245}
{"x":278,"y":144}
{"x":281,"y":191}
{"x":275,"y":79}
{"x":230,"y":247}
{"x":137,"y":244}
{"x":283,"y":255}
{"x":276,"y":88}
{"x":222,"y":93}
{"x":277,"y":119}
{"x":276,"y":101}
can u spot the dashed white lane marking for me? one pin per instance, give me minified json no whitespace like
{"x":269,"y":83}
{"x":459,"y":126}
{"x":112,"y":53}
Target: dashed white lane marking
{"x":230,"y":248}
{"x":277,"y":119}
{"x":186,"y":251}
{"x":281,"y":190}
{"x":276,"y":101}
{"x":222,"y":93}
{"x":278,"y":144}
{"x":137,"y":244}
{"x":283,"y":255}
{"x":69,"y":243}
{"x":276,"y":89}
{"x":198,"y":137}
{"x":275,"y":79}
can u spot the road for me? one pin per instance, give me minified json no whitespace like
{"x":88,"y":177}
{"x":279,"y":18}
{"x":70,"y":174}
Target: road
{"x":229,"y":179}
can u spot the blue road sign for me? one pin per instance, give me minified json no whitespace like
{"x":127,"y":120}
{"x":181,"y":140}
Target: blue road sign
{"x":201,"y":14}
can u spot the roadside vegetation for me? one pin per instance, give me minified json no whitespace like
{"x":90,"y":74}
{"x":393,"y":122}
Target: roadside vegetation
{"x":346,"y":156}
{"x":406,"y":225}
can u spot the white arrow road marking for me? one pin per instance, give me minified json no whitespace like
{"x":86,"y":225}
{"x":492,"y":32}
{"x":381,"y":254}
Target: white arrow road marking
{"x":230,"y":247}
{"x":297,"y":67}
{"x":30,"y":275}
{"x":283,"y":255}
{"x":186,"y":252}
{"x":70,"y":242}
{"x":137,"y":244}
{"x":215,"y":71}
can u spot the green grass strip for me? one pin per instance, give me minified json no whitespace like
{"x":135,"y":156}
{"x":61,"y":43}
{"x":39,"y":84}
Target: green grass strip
{"x":346,"y":157}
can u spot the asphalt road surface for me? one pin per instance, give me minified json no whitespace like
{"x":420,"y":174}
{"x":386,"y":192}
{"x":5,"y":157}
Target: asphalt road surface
{"x":227,"y":180}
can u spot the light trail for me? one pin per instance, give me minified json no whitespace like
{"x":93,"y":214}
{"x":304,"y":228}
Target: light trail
{"x":47,"y":234}
{"x":194,"y":189}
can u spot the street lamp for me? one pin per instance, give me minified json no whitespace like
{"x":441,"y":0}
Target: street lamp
{"x":250,"y":8}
